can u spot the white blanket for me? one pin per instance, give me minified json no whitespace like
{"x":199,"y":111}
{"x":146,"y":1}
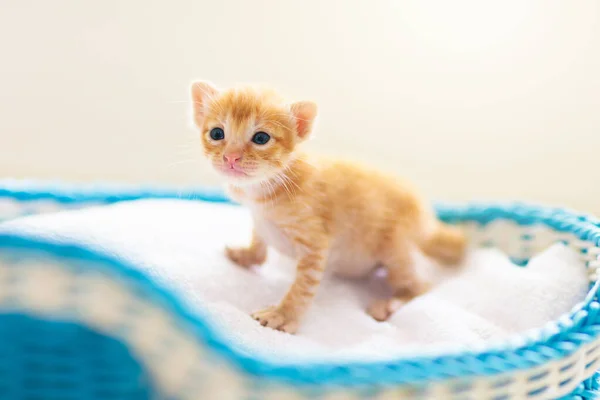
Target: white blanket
{"x":181,"y":243}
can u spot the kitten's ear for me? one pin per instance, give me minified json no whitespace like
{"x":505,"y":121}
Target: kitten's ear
{"x":304,"y":112}
{"x":202,"y":93}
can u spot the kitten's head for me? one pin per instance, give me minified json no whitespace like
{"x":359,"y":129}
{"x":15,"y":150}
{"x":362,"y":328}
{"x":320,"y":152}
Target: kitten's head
{"x":249,"y":134}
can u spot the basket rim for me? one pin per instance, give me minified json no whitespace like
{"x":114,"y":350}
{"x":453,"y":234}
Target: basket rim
{"x":556,"y":340}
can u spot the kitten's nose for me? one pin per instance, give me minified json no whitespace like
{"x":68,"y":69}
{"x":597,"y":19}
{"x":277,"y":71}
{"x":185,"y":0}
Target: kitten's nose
{"x":232,"y":158}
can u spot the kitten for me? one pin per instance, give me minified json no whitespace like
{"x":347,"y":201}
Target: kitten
{"x":325,"y":214}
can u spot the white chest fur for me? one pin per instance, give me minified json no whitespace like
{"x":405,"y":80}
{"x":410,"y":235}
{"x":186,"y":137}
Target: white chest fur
{"x":274,"y":235}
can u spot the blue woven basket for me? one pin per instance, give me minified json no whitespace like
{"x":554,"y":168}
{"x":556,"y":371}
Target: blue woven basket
{"x":101,"y":329}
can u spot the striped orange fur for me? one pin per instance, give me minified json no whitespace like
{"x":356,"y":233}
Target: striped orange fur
{"x":326,"y":214}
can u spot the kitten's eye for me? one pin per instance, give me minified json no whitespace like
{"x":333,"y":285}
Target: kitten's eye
{"x":217,"y":134}
{"x":261,"y":138}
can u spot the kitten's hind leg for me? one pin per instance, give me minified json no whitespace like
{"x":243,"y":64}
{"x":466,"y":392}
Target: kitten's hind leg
{"x":255,"y":254}
{"x":402,"y":278}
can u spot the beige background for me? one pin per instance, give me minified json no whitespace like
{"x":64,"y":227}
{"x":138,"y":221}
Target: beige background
{"x":470,"y":99}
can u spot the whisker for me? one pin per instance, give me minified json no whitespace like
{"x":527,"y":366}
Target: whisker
{"x":270,"y":191}
{"x":285,"y":187}
{"x":291,"y":181}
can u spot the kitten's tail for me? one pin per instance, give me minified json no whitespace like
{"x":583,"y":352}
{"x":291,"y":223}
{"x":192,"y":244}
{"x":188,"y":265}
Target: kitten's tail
{"x":447,"y":244}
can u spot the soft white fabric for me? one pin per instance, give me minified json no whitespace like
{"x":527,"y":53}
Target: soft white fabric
{"x":181,"y":243}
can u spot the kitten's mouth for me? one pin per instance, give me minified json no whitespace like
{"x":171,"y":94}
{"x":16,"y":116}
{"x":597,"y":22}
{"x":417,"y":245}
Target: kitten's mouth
{"x":233,"y":171}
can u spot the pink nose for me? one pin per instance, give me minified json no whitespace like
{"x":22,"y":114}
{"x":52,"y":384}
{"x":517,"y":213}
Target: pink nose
{"x":232,"y":158}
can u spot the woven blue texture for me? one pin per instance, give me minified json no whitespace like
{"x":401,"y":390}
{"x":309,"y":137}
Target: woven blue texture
{"x":41,"y":359}
{"x":553,"y":342}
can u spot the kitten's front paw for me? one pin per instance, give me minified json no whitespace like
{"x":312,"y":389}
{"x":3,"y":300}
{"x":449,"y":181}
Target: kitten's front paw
{"x":244,"y":256}
{"x":274,"y":317}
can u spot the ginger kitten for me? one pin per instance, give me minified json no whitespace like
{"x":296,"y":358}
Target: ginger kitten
{"x":324,"y":214}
